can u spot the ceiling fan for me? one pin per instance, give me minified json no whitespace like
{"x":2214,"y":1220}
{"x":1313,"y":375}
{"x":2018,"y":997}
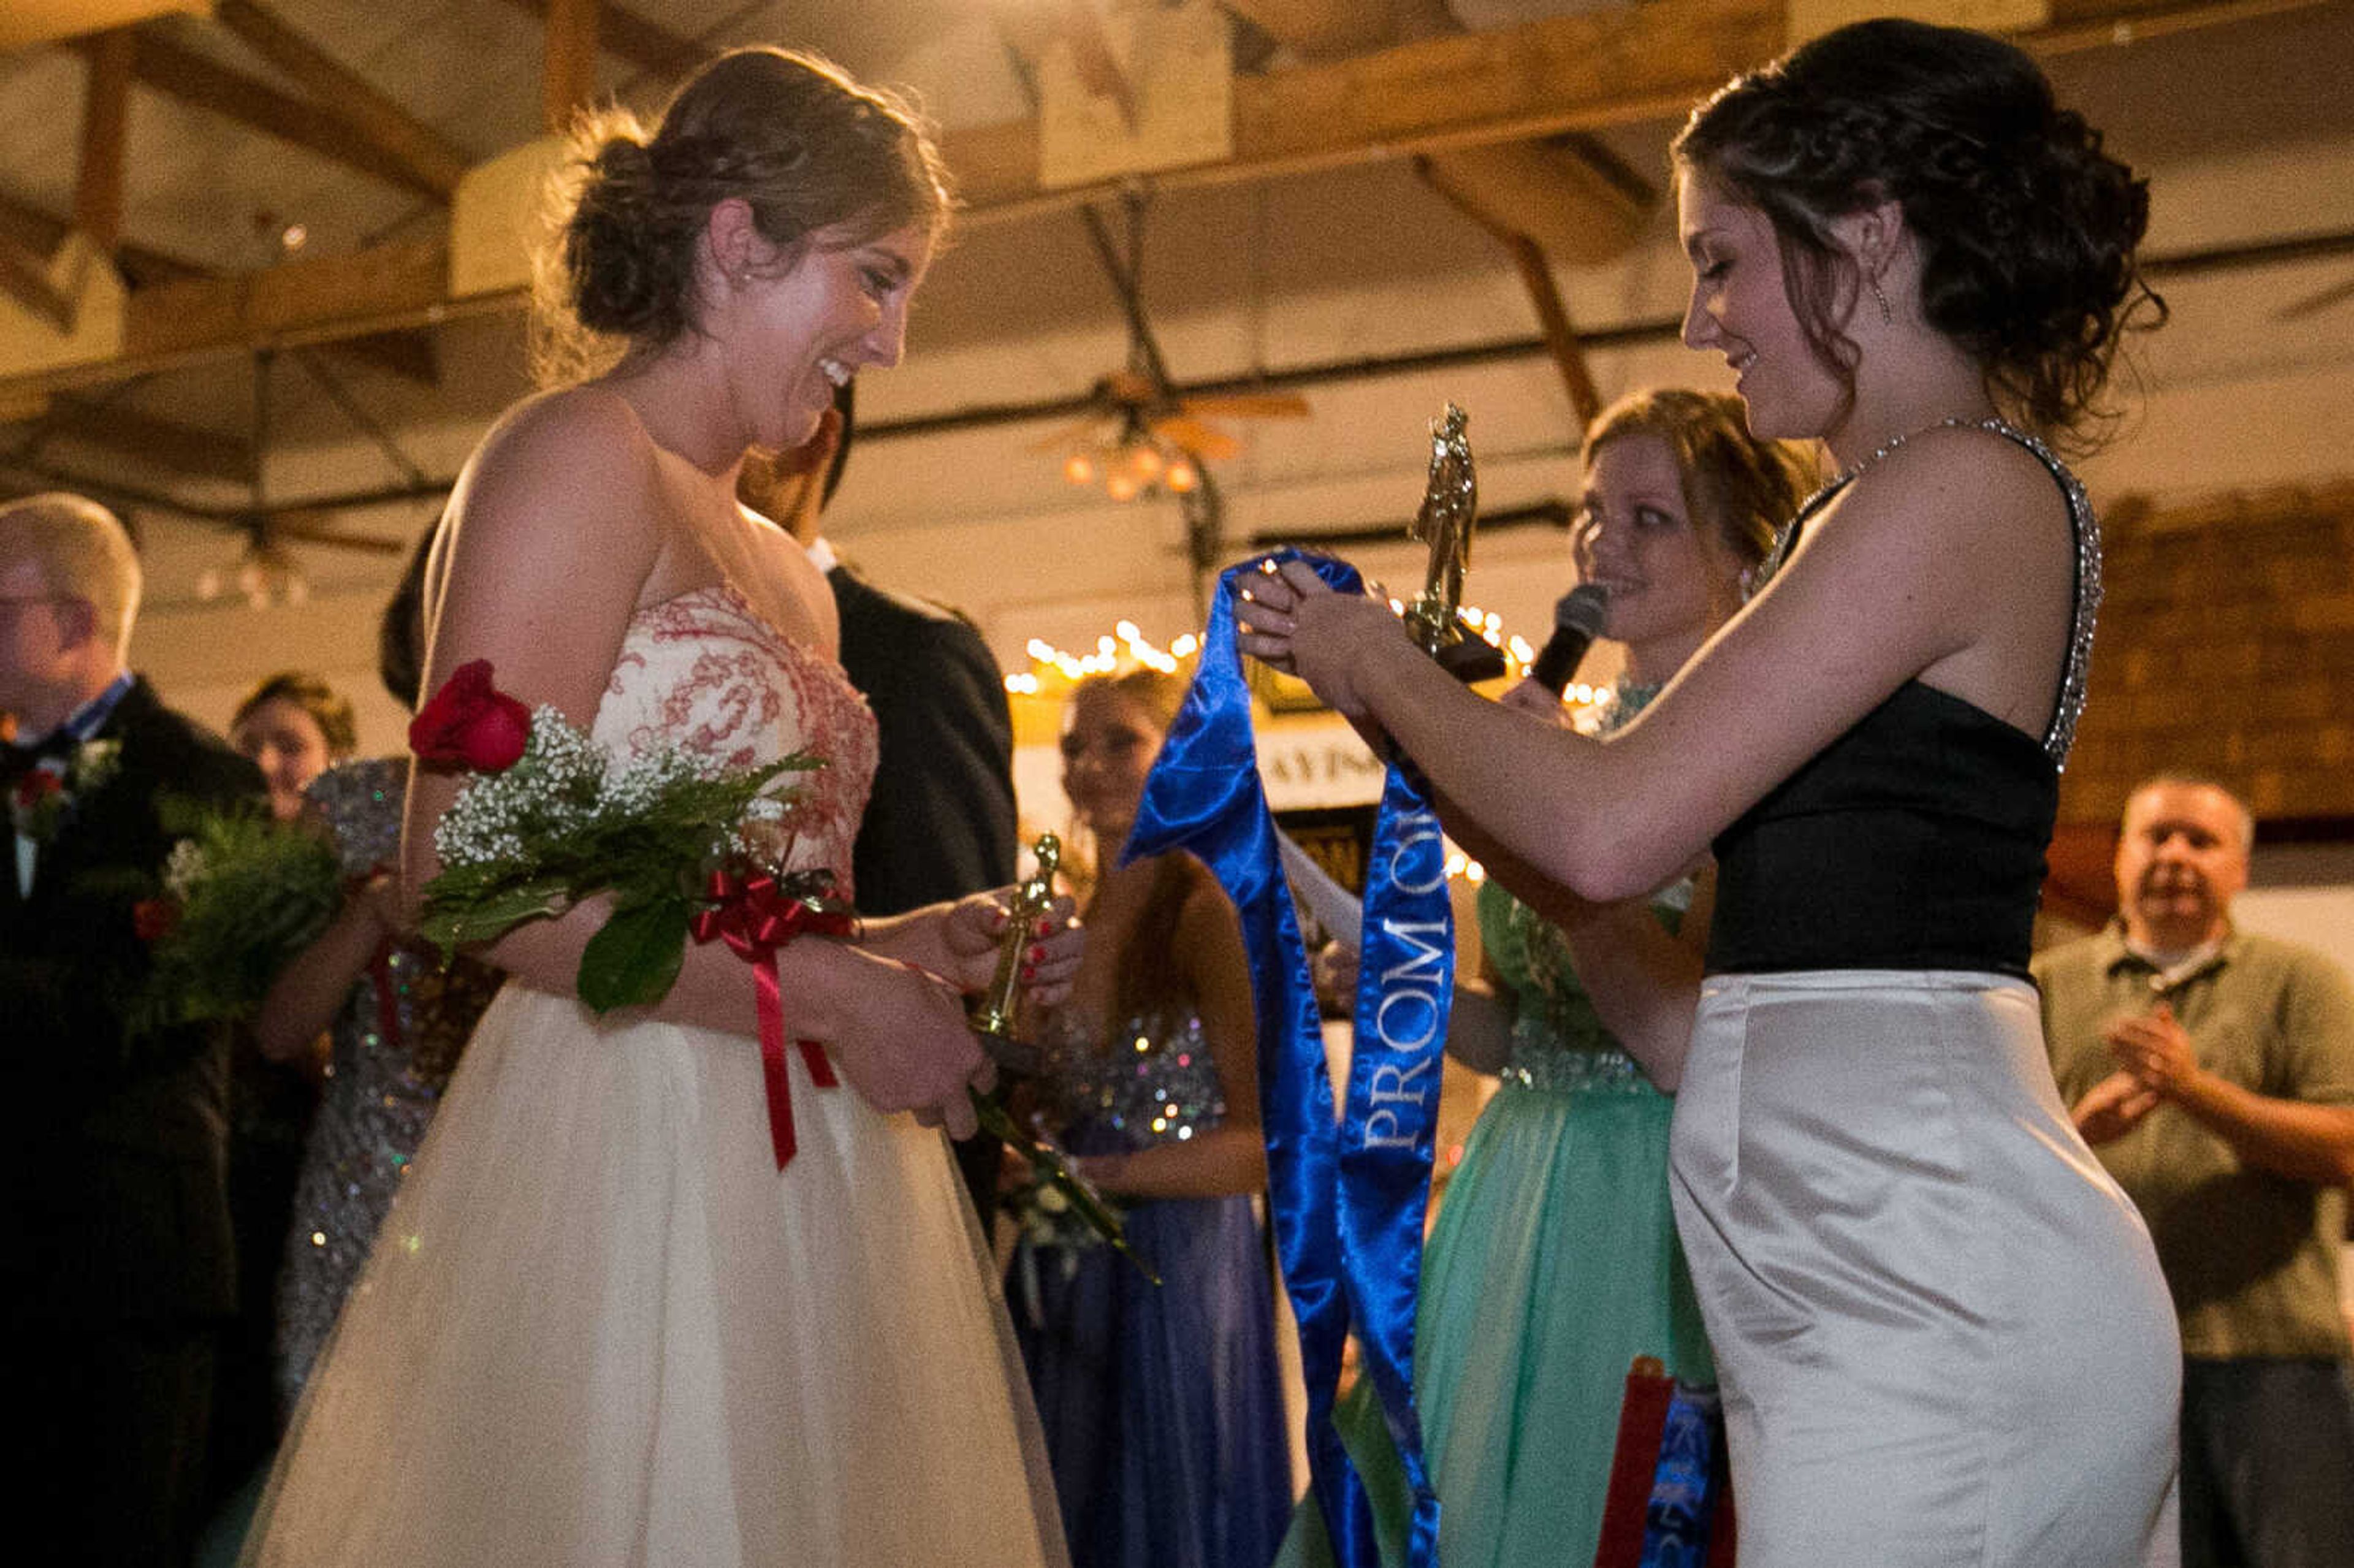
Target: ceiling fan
{"x":1135,"y":431}
{"x":1140,"y":433}
{"x":264,"y":572}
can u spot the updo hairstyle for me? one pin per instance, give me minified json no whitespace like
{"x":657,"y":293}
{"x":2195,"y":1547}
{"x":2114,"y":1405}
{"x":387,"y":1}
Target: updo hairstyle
{"x":328,"y":708}
{"x":806,"y":147}
{"x":2026,"y":228}
{"x":1740,"y":487}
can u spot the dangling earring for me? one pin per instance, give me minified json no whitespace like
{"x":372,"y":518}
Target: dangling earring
{"x":1887,"y":316}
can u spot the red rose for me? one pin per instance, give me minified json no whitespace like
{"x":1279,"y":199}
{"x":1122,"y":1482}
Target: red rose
{"x":470,"y":723}
{"x":153,"y":918}
{"x":37,"y":786}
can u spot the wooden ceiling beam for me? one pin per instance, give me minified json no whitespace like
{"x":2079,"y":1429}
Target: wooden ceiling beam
{"x":41,"y":231}
{"x":626,"y":36}
{"x":568,"y":76}
{"x":203,"y":83}
{"x":1565,"y":73}
{"x":352,"y":96}
{"x":25,"y":278}
{"x":105,"y":125}
{"x":408,"y":354}
{"x":167,"y":443}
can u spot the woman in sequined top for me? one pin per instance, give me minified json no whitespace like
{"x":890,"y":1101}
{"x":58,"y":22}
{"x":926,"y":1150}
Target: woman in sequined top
{"x":1940,"y":1327}
{"x":1554,"y":1261}
{"x":397,"y":1015}
{"x":1161,"y":1406}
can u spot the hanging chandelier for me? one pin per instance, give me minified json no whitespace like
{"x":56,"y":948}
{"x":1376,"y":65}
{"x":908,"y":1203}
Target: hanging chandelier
{"x":1135,"y":462}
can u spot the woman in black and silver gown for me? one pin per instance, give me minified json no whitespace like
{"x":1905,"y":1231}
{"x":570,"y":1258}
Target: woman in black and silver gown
{"x":1941,"y":1328}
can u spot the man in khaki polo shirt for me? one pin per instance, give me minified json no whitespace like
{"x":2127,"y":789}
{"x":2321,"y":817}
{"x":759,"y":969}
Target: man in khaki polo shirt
{"x":2212,"y":1071}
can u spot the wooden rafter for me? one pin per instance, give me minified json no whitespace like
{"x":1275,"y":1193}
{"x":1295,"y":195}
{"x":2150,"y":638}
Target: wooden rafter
{"x":399,"y":133}
{"x":568,"y":80}
{"x":165,"y":443}
{"x":105,"y":123}
{"x":626,"y":36}
{"x":1544,"y":296}
{"x":204,"y":83}
{"x":39,"y":232}
{"x":1563,"y":73}
{"x":25,"y":278}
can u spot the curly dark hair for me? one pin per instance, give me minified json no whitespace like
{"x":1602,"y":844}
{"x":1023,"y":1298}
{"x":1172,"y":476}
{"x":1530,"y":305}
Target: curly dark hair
{"x":800,"y":142}
{"x":2026,"y":227}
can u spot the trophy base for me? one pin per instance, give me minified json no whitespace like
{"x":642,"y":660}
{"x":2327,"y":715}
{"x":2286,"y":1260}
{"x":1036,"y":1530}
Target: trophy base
{"x":1012,"y":1055}
{"x":1471,"y":660}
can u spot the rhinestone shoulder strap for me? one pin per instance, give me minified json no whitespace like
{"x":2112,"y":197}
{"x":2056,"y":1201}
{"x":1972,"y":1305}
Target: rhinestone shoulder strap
{"x":2086,"y":528}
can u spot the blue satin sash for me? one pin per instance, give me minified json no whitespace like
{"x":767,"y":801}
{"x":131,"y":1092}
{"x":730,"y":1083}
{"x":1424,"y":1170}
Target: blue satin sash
{"x":1348,"y":1195}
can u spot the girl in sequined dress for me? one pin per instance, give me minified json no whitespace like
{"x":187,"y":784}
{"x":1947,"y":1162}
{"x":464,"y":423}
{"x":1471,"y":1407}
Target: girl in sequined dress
{"x":1163,"y":1406}
{"x":1553,"y":1262}
{"x":397,"y":1016}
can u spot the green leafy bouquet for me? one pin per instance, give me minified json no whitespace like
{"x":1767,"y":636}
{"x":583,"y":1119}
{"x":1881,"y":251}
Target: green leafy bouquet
{"x":243,"y":894}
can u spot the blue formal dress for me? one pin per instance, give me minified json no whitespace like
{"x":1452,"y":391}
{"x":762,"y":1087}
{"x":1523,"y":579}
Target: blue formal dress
{"x":1162,"y":1407}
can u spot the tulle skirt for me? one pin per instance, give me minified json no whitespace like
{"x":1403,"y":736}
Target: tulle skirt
{"x":602,"y":1329}
{"x":1940,"y":1327}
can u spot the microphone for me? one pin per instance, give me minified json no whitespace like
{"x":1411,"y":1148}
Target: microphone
{"x":1577,"y":619}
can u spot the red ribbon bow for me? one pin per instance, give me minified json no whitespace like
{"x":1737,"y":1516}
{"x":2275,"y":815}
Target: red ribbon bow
{"x":754,"y":915}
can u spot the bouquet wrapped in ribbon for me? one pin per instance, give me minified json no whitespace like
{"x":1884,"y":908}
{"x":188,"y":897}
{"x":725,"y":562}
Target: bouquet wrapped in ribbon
{"x":685,"y":847}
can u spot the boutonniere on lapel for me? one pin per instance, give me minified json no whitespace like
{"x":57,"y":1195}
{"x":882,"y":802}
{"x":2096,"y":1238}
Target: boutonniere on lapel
{"x":44,"y":799}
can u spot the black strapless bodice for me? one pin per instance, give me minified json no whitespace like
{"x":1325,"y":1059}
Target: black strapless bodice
{"x":1914,"y":841}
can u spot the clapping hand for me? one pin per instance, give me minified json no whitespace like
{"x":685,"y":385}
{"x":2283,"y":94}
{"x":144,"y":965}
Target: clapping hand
{"x":2113,"y":1107}
{"x":2155,"y":1049}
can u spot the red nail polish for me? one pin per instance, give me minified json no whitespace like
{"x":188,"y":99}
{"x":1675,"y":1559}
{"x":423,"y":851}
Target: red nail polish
{"x":1029,"y":971}
{"x":1045,"y":927}
{"x":1038,"y":953}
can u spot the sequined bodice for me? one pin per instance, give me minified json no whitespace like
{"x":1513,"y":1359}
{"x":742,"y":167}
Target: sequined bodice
{"x":702,"y":670}
{"x":1559,"y":1043}
{"x":1152,"y":1081}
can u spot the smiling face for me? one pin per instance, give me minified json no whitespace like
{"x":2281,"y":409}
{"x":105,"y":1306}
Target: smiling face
{"x":835,"y":310}
{"x":282,"y":739}
{"x":1109,"y":739}
{"x":1672,"y":580}
{"x":1741,"y":308}
{"x":2182,"y":856}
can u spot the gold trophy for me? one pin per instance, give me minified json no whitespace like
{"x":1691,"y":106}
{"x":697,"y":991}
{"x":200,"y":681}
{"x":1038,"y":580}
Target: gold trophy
{"x":1450,"y":507}
{"x":992,"y":1012}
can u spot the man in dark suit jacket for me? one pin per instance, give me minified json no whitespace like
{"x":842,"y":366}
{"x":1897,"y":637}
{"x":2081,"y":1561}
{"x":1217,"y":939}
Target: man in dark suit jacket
{"x":118,"y":1266}
{"x":941,"y":823}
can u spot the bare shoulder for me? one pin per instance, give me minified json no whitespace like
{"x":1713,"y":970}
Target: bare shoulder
{"x":1207,"y":914}
{"x":559,"y":461}
{"x":1959,"y":485}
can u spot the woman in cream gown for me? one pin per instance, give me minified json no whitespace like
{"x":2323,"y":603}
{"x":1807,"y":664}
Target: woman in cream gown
{"x":602,"y":1326}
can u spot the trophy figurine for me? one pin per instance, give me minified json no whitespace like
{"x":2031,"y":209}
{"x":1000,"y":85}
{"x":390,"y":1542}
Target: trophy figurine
{"x":1449,"y":506}
{"x":992,"y":1014}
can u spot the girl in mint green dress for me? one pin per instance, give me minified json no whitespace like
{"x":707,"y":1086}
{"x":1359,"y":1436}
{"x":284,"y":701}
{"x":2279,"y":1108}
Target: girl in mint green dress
{"x":1553,"y":1263}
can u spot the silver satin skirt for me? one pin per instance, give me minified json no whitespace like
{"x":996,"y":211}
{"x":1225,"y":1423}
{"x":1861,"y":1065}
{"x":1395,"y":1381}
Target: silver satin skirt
{"x":1940,"y":1326}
